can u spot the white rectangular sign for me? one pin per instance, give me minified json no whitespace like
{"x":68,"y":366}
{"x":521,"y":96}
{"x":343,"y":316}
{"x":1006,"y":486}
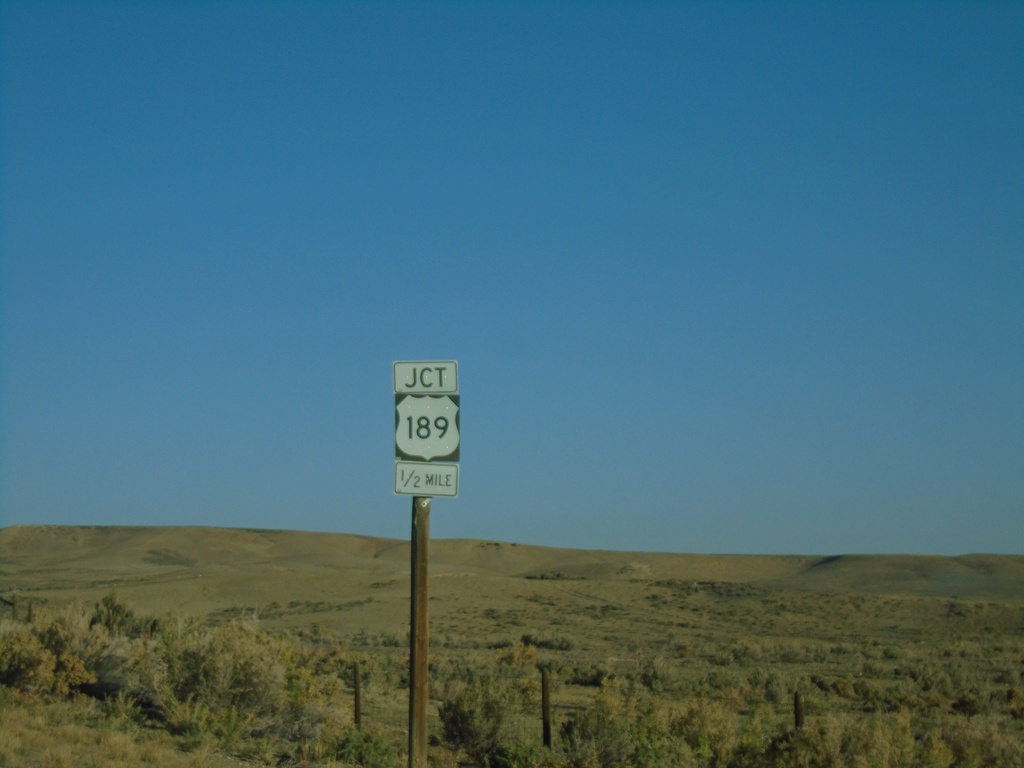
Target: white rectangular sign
{"x":426,"y":377}
{"x":416,"y":478}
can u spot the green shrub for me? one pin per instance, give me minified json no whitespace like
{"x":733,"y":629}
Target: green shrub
{"x":978,"y":744}
{"x":365,"y":748}
{"x":233,"y":686}
{"x":589,"y":675}
{"x":25,"y":663}
{"x":472,"y":716}
{"x":879,"y":741}
{"x":710,"y":730}
{"x":234,"y":667}
{"x":118,"y":618}
{"x":478,"y":713}
{"x":595,"y":738}
{"x":43,"y":659}
{"x":767,"y":685}
{"x":1015,"y":703}
{"x":551,"y":644}
{"x":623,"y":729}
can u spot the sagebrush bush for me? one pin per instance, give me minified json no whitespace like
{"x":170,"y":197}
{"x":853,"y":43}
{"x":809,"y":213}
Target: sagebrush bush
{"x":249,"y":692}
{"x":25,"y":663}
{"x":230,"y":667}
{"x":482,"y":713}
{"x":470,"y":719}
{"x":365,"y":748}
{"x":624,"y":728}
{"x":656,"y":674}
{"x":589,"y":674}
{"x":710,"y":729}
{"x":119,"y":618}
{"x":473,"y":714}
{"x":44,"y":660}
{"x":282,"y":699}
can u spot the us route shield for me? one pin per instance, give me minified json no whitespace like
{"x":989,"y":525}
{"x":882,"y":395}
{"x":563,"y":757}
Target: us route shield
{"x":427,"y":427}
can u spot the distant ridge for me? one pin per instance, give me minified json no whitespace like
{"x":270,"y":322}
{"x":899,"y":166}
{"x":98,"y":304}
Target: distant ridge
{"x":966,"y":576}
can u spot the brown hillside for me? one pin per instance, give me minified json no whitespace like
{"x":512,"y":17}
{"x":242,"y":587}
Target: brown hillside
{"x":204,"y":570}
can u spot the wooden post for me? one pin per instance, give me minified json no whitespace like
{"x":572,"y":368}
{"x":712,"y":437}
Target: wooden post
{"x":798,"y":710}
{"x":545,"y":703}
{"x":418,"y":643}
{"x":358,"y":694}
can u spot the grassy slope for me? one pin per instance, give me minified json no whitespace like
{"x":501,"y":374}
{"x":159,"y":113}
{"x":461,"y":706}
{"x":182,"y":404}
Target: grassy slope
{"x":345,"y":581}
{"x":707,"y":623}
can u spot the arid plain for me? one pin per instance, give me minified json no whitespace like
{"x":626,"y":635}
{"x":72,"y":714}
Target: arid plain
{"x":934,"y":640}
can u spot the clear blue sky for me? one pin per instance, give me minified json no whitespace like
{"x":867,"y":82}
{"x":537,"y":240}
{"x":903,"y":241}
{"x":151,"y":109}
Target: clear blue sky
{"x":722,"y":277}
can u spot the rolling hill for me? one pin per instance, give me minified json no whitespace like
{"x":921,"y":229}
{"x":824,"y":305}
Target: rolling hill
{"x":210,"y":570}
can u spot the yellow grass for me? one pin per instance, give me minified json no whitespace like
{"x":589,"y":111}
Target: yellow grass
{"x":895,"y":652}
{"x":73,"y":735}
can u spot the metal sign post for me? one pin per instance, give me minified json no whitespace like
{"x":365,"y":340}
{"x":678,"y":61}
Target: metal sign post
{"x":419,"y":686}
{"x":426,"y":429}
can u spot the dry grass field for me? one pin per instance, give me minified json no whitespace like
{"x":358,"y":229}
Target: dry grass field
{"x":655,"y":659}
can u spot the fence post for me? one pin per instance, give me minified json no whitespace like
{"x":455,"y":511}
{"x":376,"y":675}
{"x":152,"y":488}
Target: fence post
{"x":545,"y":698}
{"x":359,"y":696}
{"x":798,"y":710}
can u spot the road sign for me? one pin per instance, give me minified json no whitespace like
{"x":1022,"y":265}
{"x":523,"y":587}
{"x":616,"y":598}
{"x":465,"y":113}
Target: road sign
{"x":416,"y":478}
{"x":427,"y":427}
{"x":426,"y":377}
